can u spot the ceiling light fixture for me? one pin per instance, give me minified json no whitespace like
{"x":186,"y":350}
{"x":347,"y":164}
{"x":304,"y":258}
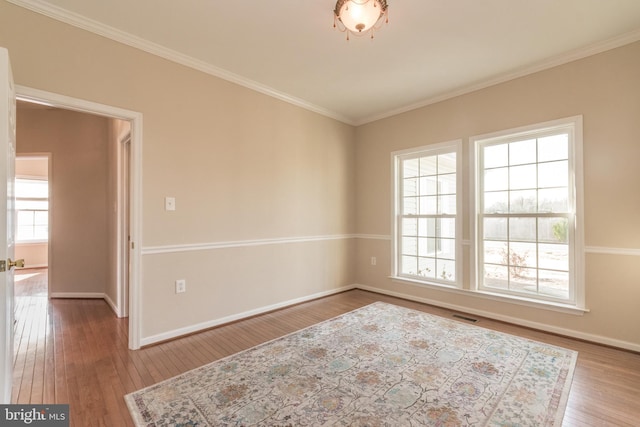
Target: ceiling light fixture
{"x":359,"y":17}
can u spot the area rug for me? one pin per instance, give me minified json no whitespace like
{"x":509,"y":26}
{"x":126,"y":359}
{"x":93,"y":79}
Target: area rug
{"x":378,"y":365}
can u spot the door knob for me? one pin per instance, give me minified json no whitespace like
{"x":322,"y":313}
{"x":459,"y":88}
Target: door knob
{"x":17,"y":263}
{"x":6,"y":265}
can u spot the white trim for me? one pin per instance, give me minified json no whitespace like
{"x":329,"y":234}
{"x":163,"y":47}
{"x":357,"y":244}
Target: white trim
{"x":113,"y":306}
{"x":101,"y":29}
{"x":588,"y":249}
{"x":75,"y":104}
{"x":31,"y":242}
{"x":128,"y":39}
{"x":576,"y":163}
{"x":123,"y":219}
{"x":234,"y":317}
{"x":88,"y":295}
{"x":493,"y":296}
{"x":151,"y":250}
{"x":612,"y":251}
{"x":573,"y":126}
{"x":584,"y":52}
{"x":52,"y":99}
{"x":397,"y":157}
{"x":373,"y":236}
{"x":82,"y":295}
{"x":465,"y":242}
{"x":7,"y":175}
{"x":598,"y":339}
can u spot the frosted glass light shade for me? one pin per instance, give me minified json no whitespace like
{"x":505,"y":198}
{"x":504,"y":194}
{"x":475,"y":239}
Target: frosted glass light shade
{"x":359,"y":15}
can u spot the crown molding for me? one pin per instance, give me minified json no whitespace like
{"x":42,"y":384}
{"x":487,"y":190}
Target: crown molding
{"x":128,"y":39}
{"x":79,"y":21}
{"x":574,"y":55}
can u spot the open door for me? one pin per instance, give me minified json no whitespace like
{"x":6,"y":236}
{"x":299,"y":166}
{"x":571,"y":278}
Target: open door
{"x":124,"y":214}
{"x":7,"y":202}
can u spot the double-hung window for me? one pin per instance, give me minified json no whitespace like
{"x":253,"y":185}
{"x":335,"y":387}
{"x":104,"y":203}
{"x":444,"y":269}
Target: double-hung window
{"x":427,"y":209}
{"x":527,"y":212}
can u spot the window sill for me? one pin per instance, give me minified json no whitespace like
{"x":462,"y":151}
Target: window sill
{"x":30,"y":242}
{"x":435,"y":285}
{"x":527,"y":302}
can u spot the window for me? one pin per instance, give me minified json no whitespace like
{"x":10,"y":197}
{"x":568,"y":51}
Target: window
{"x":32,"y":206}
{"x":427,"y":244}
{"x":528,"y":219}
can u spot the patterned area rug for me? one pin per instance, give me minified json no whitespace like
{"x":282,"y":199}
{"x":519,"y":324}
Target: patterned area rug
{"x":378,"y":365}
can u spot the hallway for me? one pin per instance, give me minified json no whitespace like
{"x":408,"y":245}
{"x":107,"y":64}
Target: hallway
{"x":77,"y":363}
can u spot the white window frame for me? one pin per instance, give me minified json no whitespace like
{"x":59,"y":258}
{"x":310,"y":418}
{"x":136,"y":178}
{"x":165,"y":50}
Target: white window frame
{"x":397,"y":158}
{"x":573,"y":125}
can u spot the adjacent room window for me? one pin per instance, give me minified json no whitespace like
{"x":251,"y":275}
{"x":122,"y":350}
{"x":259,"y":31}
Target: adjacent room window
{"x":528,"y":219}
{"x":427,"y":245}
{"x":32,"y":209}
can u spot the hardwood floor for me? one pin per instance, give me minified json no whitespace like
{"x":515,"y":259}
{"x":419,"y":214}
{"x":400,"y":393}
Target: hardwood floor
{"x":75,"y":351}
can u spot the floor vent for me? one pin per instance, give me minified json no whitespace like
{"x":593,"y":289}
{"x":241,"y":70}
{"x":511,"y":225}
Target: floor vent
{"x":468,"y":319}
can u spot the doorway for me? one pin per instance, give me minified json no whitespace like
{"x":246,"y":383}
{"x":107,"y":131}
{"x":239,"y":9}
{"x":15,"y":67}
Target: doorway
{"x":124,"y":263}
{"x":33,"y":198}
{"x":84,"y":240}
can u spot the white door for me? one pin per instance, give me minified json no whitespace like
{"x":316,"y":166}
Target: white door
{"x":7,"y":202}
{"x":125,"y":237}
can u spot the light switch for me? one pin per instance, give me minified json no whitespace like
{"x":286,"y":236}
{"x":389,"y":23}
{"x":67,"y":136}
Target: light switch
{"x":169,"y":203}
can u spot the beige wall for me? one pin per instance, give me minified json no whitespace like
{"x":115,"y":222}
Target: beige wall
{"x":242,"y":166}
{"x":35,"y":255}
{"x":78,"y":229}
{"x":605,"y":89}
{"x":33,"y":165}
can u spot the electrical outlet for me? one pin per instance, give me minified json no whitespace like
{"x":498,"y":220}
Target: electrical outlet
{"x":373,"y":260}
{"x":181,"y":286}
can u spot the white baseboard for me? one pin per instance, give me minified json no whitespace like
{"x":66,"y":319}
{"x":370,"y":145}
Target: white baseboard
{"x":112,"y":305}
{"x":598,"y":339}
{"x":217,"y":322}
{"x":85,"y":295}
{"x":88,"y":295}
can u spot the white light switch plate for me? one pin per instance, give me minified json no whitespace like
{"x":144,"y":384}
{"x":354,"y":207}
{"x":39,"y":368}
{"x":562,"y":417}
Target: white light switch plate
{"x":169,"y":203}
{"x":181,"y":286}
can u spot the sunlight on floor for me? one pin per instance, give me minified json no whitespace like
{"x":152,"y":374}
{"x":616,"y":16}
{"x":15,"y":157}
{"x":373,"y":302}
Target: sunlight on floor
{"x":20,"y":277}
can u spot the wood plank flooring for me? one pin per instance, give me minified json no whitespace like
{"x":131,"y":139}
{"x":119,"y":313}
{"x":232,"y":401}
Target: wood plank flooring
{"x":75,"y":351}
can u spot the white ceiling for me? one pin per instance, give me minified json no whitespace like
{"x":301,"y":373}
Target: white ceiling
{"x":429,"y":51}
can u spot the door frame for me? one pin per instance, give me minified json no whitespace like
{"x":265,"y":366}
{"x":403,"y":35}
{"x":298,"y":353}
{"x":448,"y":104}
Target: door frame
{"x":123,"y":244}
{"x":135,"y":195}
